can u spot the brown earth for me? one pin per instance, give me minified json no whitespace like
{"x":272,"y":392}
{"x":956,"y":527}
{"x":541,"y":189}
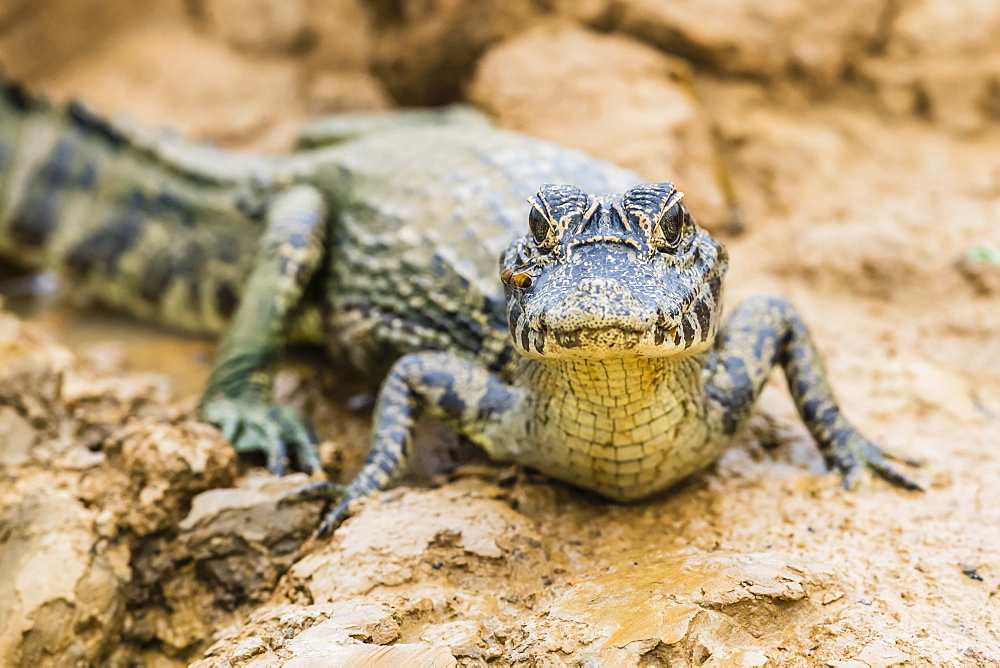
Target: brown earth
{"x":856,"y":144}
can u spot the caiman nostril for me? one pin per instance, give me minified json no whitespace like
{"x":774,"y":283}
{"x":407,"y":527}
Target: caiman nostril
{"x":600,"y":286}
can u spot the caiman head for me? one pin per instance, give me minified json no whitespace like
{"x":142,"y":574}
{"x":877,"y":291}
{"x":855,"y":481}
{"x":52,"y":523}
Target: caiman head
{"x":611,"y":277}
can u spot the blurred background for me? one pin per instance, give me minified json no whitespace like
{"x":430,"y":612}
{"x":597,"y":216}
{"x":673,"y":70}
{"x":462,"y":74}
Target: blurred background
{"x":852,"y":142}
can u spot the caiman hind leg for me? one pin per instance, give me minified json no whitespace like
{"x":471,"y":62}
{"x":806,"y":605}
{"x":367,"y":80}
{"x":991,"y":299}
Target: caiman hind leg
{"x":238,"y":398}
{"x":460,"y":393}
{"x":767,"y":331}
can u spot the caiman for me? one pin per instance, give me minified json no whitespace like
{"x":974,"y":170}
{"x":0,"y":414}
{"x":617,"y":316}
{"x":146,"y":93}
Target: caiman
{"x":595,"y":353}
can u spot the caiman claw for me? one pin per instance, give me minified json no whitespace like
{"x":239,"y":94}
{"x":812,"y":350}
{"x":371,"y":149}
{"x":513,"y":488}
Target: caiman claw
{"x":850,"y":455}
{"x":276,"y":431}
{"x":327,"y":491}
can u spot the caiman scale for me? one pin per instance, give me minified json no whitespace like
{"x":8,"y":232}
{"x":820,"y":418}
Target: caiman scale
{"x":599,"y":357}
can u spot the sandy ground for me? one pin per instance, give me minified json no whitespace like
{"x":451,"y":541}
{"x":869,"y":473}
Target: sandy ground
{"x":858,"y":142}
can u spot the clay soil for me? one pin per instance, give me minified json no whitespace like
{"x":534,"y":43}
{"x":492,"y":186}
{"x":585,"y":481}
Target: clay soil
{"x":846,"y":153}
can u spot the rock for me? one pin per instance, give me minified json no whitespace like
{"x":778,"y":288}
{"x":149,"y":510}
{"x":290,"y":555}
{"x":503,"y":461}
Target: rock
{"x":612,"y":97}
{"x":259,"y":26}
{"x":9,"y":10}
{"x":464,"y":639}
{"x":814,"y":41}
{"x":425,"y":52}
{"x":591,"y":12}
{"x":323,"y":654}
{"x":40,"y":37}
{"x":224,"y":558}
{"x":917,"y":387}
{"x":237,"y":98}
{"x":250,"y":511}
{"x":668,"y":607}
{"x":673,"y":608}
{"x":942,"y":60}
{"x":329,"y":35}
{"x":32,"y":369}
{"x":62,"y":585}
{"x":980,"y":266}
{"x":167,"y":465}
{"x":341,"y":634}
{"x":344,"y":35}
{"x":90,"y":515}
{"x":403,"y":533}
{"x":874,"y":259}
{"x":401,"y":563}
{"x":16,"y":437}
{"x":338,"y":92}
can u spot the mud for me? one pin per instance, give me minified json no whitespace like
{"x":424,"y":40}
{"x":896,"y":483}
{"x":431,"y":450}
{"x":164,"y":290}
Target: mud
{"x":856,"y":148}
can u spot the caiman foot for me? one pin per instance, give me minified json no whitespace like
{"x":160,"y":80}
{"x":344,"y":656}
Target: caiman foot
{"x":251,"y":425}
{"x":326,"y":491}
{"x":850,"y":454}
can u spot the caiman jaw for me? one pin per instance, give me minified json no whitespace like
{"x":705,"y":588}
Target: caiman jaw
{"x":599,"y":337}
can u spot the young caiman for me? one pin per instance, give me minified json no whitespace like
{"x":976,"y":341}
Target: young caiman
{"x":379,"y":239}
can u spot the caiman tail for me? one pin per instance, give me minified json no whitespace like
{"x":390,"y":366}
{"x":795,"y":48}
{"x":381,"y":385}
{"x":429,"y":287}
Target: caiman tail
{"x":145,"y":222}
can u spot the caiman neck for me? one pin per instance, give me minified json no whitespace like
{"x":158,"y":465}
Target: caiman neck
{"x":605,"y":381}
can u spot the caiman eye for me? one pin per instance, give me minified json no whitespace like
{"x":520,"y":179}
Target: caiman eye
{"x":669,"y":228}
{"x":539,"y":226}
{"x":519,"y":279}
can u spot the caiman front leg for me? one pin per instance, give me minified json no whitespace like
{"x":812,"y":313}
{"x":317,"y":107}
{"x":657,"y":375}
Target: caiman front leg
{"x":767,"y":331}
{"x":238,"y":398}
{"x":461,"y":394}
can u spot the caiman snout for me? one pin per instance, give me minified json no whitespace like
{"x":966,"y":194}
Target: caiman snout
{"x":600,"y":303}
{"x":601,"y":286}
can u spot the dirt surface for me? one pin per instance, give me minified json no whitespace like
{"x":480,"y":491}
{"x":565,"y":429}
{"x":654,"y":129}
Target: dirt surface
{"x":859,"y":146}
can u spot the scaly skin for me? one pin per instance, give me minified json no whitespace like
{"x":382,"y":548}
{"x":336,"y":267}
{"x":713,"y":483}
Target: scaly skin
{"x":626,"y":384}
{"x":380,"y":244}
{"x":378,"y":240}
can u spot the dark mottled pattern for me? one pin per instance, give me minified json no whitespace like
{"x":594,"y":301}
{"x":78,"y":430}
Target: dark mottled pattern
{"x":228,"y":250}
{"x":191,"y":262}
{"x":88,"y":178}
{"x":166,"y":203}
{"x":646,"y":205}
{"x":104,"y":249}
{"x":162,"y":271}
{"x":89,"y":122}
{"x":739,"y":393}
{"x":156,"y":278}
{"x":687,"y":328}
{"x":703,"y":314}
{"x":225,"y":299}
{"x":18,"y":97}
{"x":555,"y":209}
{"x":37,"y":218}
{"x":498,"y":399}
{"x":57,"y":173}
{"x":450,"y":401}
